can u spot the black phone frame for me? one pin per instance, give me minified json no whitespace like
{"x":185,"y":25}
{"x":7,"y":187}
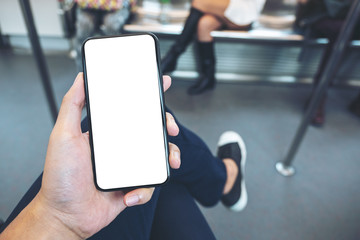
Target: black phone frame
{"x":162,"y":105}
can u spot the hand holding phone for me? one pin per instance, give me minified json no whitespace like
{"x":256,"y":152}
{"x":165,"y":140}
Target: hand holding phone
{"x":73,"y":206}
{"x":125,"y":106}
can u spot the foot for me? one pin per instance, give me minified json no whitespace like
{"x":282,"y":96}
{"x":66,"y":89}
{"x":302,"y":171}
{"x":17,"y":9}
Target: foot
{"x":232,"y":172}
{"x":203,"y":84}
{"x":232,"y":147}
{"x":168,"y":64}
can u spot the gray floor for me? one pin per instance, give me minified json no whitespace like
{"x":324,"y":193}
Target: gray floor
{"x":322,"y":201}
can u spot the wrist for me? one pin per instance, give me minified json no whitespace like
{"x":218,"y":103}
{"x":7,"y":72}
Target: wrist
{"x":36,"y":221}
{"x":52,"y":220}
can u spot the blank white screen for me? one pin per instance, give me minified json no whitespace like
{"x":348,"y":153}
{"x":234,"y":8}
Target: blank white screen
{"x":127,"y":128}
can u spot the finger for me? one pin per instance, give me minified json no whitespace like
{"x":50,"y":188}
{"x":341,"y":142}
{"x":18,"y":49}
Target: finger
{"x":69,"y":117}
{"x":171,"y":126}
{"x":86,"y":135}
{"x":166,"y":82}
{"x":138,"y":196}
{"x":175,"y":156}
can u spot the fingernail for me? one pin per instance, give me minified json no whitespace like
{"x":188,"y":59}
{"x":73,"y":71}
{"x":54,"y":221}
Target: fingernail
{"x":175,"y":125}
{"x":132,"y":200}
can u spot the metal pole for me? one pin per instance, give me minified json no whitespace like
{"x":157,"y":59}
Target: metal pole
{"x":336,"y":56}
{"x":2,"y":42}
{"x":39,"y":57}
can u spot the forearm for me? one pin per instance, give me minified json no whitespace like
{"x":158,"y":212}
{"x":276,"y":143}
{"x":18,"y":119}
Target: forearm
{"x":34,"y":222}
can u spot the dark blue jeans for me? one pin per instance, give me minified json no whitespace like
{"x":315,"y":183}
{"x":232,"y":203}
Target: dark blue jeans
{"x":172,"y":212}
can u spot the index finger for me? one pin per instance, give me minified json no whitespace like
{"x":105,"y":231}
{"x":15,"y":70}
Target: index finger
{"x":69,"y":117}
{"x":166,"y":82}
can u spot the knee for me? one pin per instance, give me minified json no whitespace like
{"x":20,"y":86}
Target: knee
{"x":200,"y":4}
{"x":207,"y":24}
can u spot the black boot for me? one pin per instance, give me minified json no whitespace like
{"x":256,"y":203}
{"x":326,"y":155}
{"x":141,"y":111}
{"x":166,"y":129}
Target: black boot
{"x":207,"y":69}
{"x":168,"y":63}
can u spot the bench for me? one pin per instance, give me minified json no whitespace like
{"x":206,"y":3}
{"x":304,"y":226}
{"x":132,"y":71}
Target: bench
{"x":271,"y":44}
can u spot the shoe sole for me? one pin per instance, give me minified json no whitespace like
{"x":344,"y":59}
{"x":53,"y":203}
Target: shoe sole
{"x":231,"y":137}
{"x":202,"y":91}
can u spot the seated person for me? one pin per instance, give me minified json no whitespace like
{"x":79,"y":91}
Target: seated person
{"x":63,"y":203}
{"x":96,"y":17}
{"x":205,"y":17}
{"x":325,"y":18}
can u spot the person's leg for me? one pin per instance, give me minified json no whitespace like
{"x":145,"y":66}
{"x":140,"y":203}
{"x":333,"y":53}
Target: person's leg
{"x":202,"y":173}
{"x":205,"y":176}
{"x":168,"y":63}
{"x":133,"y":223}
{"x":114,"y":21}
{"x":213,"y":19}
{"x":205,"y":48}
{"x":217,"y":9}
{"x":199,"y":7}
{"x":232,"y":149}
{"x":177,"y":216}
{"x":212,"y":7}
{"x":85,"y":27}
{"x":206,"y":25}
{"x":319,"y":115}
{"x":330,"y":29}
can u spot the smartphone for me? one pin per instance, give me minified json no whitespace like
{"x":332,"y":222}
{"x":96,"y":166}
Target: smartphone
{"x":126,"y":114}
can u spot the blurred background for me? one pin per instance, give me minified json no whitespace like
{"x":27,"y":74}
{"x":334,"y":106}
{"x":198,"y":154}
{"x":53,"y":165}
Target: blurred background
{"x":262,"y":88}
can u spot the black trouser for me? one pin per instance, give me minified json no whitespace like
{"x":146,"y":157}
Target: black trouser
{"x":172,"y":213}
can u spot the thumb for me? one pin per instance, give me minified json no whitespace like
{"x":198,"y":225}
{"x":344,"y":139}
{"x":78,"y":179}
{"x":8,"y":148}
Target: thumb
{"x":69,"y":118}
